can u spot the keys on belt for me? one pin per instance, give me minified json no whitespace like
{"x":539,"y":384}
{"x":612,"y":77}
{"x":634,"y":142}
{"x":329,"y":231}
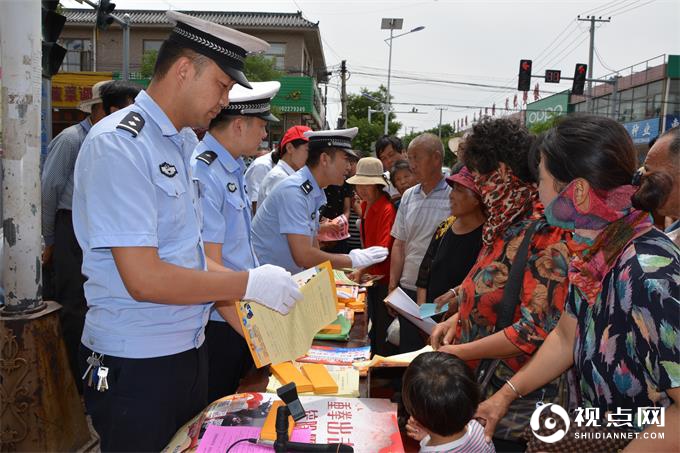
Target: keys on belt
{"x":96,"y":373}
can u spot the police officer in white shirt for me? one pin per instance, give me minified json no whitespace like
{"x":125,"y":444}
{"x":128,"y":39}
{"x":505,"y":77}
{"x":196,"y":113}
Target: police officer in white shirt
{"x":218,"y":166}
{"x":137,"y":218}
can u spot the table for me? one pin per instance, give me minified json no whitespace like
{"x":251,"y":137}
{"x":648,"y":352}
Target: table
{"x":358,"y":337}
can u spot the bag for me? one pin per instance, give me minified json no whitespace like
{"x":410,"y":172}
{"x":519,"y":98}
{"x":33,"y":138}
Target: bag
{"x":492,"y":373}
{"x":508,"y":304}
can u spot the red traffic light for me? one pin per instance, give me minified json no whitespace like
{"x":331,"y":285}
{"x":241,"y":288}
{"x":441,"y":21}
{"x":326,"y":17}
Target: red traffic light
{"x":524,"y":79}
{"x":581,"y":68}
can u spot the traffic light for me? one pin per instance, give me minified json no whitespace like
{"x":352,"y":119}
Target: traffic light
{"x":52,"y":25}
{"x":104,"y":17}
{"x":524,"y":82}
{"x":579,"y":79}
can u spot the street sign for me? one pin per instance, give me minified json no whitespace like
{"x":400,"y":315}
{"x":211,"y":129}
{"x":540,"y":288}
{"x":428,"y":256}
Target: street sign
{"x":553,"y":76}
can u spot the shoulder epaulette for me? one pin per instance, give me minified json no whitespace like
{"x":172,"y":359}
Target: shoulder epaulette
{"x":207,"y":157}
{"x":133,"y":123}
{"x":306,"y":187}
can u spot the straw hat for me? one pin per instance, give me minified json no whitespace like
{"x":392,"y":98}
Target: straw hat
{"x":86,"y":104}
{"x":369,"y":171}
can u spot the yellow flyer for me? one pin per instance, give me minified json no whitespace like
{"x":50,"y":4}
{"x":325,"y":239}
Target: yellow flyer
{"x":273,"y":337}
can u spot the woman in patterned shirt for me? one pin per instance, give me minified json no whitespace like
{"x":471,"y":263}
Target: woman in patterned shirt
{"x":497,"y":155}
{"x":621,"y":326}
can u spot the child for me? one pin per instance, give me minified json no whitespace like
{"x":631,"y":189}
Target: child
{"x":441,"y":394}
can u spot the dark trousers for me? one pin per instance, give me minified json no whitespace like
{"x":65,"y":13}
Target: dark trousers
{"x":380,"y":320}
{"x":228,"y":357}
{"x":67,"y":263}
{"x":148,"y":399}
{"x":411,"y":338}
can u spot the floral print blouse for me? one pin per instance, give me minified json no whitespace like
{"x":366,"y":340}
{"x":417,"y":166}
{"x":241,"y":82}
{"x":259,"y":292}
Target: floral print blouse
{"x":543,"y":291}
{"x":627,"y":348}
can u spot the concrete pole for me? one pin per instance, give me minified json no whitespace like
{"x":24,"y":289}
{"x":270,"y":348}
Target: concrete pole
{"x":20,"y":42}
{"x":126,"y":46}
{"x":41,"y":410}
{"x":589,"y":98}
{"x":343,"y":92}
{"x":389,"y":74}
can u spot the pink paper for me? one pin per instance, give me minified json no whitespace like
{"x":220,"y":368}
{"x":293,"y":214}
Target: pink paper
{"x":217,"y":439}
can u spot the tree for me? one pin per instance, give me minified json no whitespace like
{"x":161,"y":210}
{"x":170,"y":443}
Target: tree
{"x":148,"y":62}
{"x":447,"y":134}
{"x":357,"y":116}
{"x":259,"y":68}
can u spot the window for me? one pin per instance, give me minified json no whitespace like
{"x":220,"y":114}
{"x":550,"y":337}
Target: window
{"x":655,"y":92}
{"x":78,"y":55}
{"x":673,"y":107}
{"x":277,"y":52}
{"x":639,"y":102}
{"x":152,"y":44}
{"x":626,"y":106}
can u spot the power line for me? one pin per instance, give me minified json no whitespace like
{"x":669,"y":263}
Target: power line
{"x":446,"y":82}
{"x":593,"y":11}
{"x":635,"y":7}
{"x":599,"y":58}
{"x":622,"y":6}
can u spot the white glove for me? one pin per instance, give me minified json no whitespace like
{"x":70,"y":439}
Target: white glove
{"x":367,"y":257}
{"x":273,"y":287}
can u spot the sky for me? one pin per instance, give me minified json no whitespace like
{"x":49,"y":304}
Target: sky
{"x":468,"y":41}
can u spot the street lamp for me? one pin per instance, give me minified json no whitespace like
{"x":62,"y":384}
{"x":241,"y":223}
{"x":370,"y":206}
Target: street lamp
{"x":392,"y":24}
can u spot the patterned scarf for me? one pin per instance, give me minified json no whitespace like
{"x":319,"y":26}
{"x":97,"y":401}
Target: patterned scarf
{"x":506,"y":200}
{"x":601,"y":233}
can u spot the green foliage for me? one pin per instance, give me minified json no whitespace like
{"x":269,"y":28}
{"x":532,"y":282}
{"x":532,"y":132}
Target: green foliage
{"x":259,"y":68}
{"x":148,"y":62}
{"x":357,"y":116}
{"x":447,"y":134}
{"x":542,"y":126}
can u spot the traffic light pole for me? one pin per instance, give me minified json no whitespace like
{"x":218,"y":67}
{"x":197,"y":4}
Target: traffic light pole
{"x":125,"y":25}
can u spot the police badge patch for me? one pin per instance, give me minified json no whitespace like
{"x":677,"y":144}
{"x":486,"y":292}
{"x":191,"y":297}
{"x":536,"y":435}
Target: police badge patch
{"x":231,"y":187}
{"x":133,"y":123}
{"x":168,"y":169}
{"x":306,"y":187}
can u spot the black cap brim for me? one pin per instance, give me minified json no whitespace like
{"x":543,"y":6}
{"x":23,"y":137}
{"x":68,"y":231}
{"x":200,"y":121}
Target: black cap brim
{"x":236,"y":75}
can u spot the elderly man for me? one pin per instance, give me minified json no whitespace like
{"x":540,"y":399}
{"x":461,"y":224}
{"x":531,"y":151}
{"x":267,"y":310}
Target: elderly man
{"x":422,"y":208}
{"x":661,"y":178}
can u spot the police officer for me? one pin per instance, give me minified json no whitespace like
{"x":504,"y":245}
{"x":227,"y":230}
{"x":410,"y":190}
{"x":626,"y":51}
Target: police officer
{"x":286,"y":225}
{"x":218,"y":166}
{"x":136,"y":216}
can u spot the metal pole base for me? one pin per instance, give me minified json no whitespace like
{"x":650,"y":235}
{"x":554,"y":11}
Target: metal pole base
{"x":41,"y":409}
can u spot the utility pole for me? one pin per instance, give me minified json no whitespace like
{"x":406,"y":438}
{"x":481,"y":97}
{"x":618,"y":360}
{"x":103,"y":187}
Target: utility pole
{"x":441,"y":111}
{"x":343,"y":92}
{"x":41,"y":410}
{"x":592,"y":20}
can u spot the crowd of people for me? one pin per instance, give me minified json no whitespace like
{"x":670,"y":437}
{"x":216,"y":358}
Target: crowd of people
{"x":557,"y":285}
